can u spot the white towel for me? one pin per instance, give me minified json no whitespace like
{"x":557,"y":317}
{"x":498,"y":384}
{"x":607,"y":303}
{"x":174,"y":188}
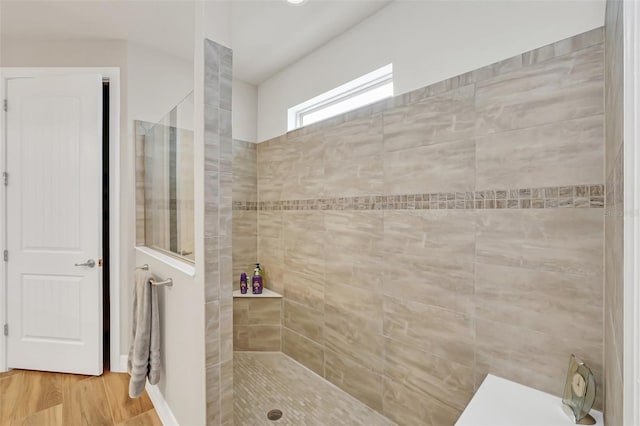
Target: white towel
{"x":144,"y":352}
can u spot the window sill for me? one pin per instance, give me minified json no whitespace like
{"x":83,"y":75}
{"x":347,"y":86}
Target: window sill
{"x":184,"y":267}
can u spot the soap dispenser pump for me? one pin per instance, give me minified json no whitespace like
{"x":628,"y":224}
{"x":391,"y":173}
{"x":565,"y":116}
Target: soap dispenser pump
{"x":257,"y":281}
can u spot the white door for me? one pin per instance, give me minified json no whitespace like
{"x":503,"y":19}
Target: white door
{"x":54,"y":223}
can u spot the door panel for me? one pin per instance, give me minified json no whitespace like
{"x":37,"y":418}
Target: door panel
{"x":51,"y":308}
{"x":50,"y":150}
{"x":54,"y":221}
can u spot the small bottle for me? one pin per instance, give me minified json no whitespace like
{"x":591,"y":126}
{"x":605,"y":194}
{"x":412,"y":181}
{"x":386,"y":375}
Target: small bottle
{"x":257,"y":283}
{"x":244,"y":284}
{"x":258,"y":270}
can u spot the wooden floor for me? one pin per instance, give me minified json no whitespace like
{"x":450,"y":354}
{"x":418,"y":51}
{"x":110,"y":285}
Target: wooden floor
{"x":37,"y":398}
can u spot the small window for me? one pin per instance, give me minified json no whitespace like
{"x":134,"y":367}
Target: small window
{"x":362,"y":91}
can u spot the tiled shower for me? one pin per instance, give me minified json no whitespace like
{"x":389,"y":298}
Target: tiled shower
{"x":450,"y":232}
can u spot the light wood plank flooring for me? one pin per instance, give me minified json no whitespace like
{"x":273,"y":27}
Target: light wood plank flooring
{"x":37,"y":398}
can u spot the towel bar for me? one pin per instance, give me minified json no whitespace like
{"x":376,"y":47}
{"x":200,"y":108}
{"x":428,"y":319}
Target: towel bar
{"x":144,"y":267}
{"x":168,"y":282}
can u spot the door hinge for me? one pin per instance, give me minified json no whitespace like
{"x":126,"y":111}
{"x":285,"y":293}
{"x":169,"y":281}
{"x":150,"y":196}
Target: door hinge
{"x":5,"y":178}
{"x":6,"y":329}
{"x":6,"y":255}
{"x":5,"y":105}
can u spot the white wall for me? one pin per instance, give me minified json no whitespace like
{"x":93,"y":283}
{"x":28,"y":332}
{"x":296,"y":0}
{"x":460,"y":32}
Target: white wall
{"x":245,"y":111}
{"x":427,"y":41}
{"x":157,"y":82}
{"x":51,"y":53}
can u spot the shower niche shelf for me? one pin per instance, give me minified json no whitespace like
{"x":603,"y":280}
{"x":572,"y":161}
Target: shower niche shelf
{"x":266,"y":294}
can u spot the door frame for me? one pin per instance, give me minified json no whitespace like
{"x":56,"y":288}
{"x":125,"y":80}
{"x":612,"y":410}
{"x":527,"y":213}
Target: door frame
{"x":113,"y":75}
{"x":631,"y":351}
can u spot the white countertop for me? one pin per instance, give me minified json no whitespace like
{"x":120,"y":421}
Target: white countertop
{"x":266,"y":293}
{"x":501,"y":402}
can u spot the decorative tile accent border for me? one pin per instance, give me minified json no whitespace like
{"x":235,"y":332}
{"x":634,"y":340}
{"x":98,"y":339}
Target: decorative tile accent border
{"x":245,"y":205}
{"x":576,"y":196}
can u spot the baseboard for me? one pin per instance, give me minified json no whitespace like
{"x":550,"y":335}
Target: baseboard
{"x":122,"y":368}
{"x":162,"y":408}
{"x":155,"y":395}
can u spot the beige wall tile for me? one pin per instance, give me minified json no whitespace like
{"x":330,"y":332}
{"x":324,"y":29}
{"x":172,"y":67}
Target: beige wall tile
{"x":303,"y":288}
{"x":274,"y":149}
{"x":291,"y":171}
{"x":257,"y":337}
{"x":423,"y":372}
{"x":303,"y":350}
{"x":300,"y":222}
{"x":226,"y":330}
{"x":271,"y":179}
{"x":565,"y":46}
{"x":214,"y":394}
{"x":212,"y":333}
{"x":438,"y":280}
{"x":240,"y":337}
{"x":303,"y":320}
{"x":306,"y":146}
{"x":350,"y":376}
{"x":354,"y":337}
{"x":430,"y":232}
{"x":536,"y":359}
{"x":245,"y":255}
{"x":245,"y":223}
{"x":351,"y":177}
{"x":614,"y":283}
{"x":240,"y":311}
{"x":271,"y":249}
{"x":561,"y":89}
{"x":429,"y":257}
{"x":613,"y":379}
{"x":353,"y":158}
{"x":614,"y":225}
{"x":362,"y":303}
{"x":353,"y":254}
{"x":304,"y":242}
{"x":303,"y":180}
{"x":561,"y":240}
{"x":270,"y":224}
{"x":266,"y":311}
{"x":614,"y":88}
{"x":563,"y":153}
{"x":433,"y":168}
{"x":245,"y":175}
{"x":226,"y":391}
{"x":548,"y":302}
{"x":446,"y":117}
{"x":271,"y":257}
{"x":265,"y":337}
{"x":354,"y":139}
{"x":437,"y":331}
{"x":409,"y":407}
{"x":245,"y":243}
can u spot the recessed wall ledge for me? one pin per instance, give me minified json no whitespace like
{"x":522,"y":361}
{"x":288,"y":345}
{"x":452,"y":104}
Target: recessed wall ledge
{"x":266,"y":293}
{"x":184,"y":267}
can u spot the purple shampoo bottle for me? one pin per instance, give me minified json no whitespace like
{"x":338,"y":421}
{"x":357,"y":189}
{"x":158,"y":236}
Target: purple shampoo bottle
{"x":244,"y":284}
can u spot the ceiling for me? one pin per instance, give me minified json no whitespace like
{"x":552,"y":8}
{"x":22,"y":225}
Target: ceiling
{"x":267,"y":35}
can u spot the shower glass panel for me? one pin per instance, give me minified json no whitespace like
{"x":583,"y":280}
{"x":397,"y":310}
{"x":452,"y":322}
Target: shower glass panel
{"x":168,"y":182}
